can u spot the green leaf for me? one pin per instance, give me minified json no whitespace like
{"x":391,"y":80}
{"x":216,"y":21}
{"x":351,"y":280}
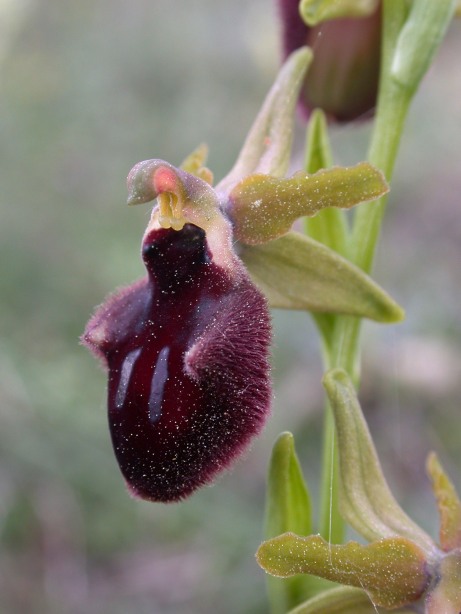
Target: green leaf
{"x":343,"y":600}
{"x":267,"y":147}
{"x":314,"y":12}
{"x":296,"y":272}
{"x":420,"y":39}
{"x":448,"y":504}
{"x":393,"y":571}
{"x":264,"y":207}
{"x":288,"y":508}
{"x":365,"y":498}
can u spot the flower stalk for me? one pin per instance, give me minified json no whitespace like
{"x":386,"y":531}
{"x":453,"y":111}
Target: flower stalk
{"x":394,"y":99}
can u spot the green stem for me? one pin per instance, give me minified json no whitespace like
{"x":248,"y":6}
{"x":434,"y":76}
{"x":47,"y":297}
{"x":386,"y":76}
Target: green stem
{"x":393,"y":103}
{"x":411,"y":35}
{"x":331,"y":525}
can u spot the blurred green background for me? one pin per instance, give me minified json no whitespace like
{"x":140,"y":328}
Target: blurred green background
{"x":87,"y":89}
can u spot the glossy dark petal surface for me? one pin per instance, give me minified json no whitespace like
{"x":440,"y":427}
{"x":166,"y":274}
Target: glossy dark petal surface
{"x":187,"y":353}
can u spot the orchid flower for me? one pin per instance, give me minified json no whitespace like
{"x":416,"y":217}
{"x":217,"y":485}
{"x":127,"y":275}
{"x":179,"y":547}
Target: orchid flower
{"x":402,"y":568}
{"x":187,"y":347}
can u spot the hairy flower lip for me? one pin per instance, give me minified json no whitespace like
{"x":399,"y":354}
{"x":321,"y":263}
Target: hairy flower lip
{"x":181,"y":408}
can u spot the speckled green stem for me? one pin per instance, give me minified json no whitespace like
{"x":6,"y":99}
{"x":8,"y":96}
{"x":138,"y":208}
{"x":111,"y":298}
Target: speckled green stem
{"x":412,"y":33}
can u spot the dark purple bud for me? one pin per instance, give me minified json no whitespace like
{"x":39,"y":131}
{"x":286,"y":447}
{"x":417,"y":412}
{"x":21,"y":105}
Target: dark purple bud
{"x":343,"y":77}
{"x":187,"y":353}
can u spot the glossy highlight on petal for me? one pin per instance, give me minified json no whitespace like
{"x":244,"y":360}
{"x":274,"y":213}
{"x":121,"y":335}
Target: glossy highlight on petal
{"x":187,"y":353}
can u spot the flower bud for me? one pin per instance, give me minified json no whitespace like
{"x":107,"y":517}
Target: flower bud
{"x":343,"y":77}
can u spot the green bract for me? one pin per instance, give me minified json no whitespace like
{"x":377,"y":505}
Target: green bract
{"x":288,"y":508}
{"x":366,"y":500}
{"x":448,"y":503}
{"x":296,"y":272}
{"x":329,"y":226}
{"x":427,"y":21}
{"x":288,"y":505}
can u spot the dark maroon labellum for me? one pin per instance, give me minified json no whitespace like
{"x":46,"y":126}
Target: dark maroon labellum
{"x":187,"y":353}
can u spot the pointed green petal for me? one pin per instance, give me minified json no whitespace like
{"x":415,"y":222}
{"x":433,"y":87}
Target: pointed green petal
{"x":264,"y":208}
{"x":296,"y":272}
{"x":268,"y":144}
{"x":366,"y":500}
{"x":392,"y":571}
{"x":288,"y":508}
{"x":343,"y":600}
{"x":448,"y":504}
{"x":314,"y":12}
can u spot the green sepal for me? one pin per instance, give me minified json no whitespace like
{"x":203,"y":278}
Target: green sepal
{"x":296,"y":272}
{"x":329,"y":226}
{"x":419,"y":39}
{"x":314,"y":12}
{"x":288,"y":504}
{"x":343,"y":600}
{"x":288,"y":508}
{"x":264,"y":208}
{"x":448,"y":504}
{"x":318,"y":152}
{"x":393,"y":571}
{"x":267,"y":147}
{"x":366,"y":501}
